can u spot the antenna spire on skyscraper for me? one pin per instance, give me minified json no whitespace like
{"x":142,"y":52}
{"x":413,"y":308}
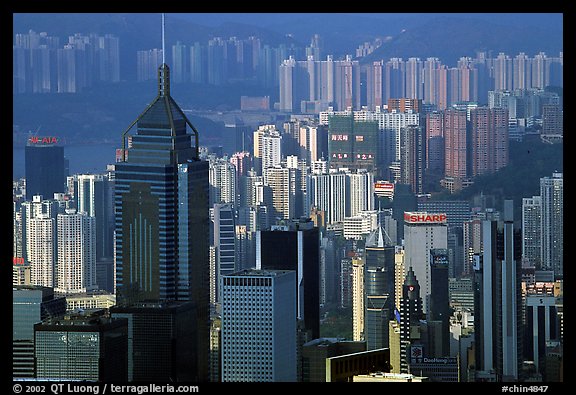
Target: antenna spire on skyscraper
{"x":163,"y":40}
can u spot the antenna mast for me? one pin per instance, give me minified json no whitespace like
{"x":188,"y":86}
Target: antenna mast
{"x":163,"y":41}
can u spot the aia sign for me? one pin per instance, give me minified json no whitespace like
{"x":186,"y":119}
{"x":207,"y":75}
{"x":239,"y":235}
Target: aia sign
{"x":43,"y":140}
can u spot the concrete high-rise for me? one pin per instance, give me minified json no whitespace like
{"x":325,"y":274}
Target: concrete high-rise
{"x":412,"y":151}
{"x":489,"y":140}
{"x":76,"y":266}
{"x":456,"y":142}
{"x":552,"y":228}
{"x":162,"y":216}
{"x":94,"y":196}
{"x":258,"y":329}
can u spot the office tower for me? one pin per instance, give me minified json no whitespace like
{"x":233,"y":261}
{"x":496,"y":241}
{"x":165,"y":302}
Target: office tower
{"x":222,"y":179}
{"x":162,"y":340}
{"x":93,"y":194}
{"x":378,"y":288}
{"x":85,"y":347}
{"x":44,"y":161}
{"x":541,"y":328}
{"x":439,"y":297}
{"x":245,"y":247}
{"x":358,"y":299}
{"x":352,"y":144}
{"x":76,"y":267}
{"x":298,"y":243}
{"x":456,"y":141}
{"x":410,"y":315}
{"x":532,"y":232}
{"x":261,"y":305}
{"x":162,"y":221}
{"x":267,"y":148}
{"x":552,"y":228}
{"x":282,"y":197}
{"x":224,"y":241}
{"x":317,"y":351}
{"x":412,"y":150}
{"x":458,"y":212}
{"x":30,"y":305}
{"x":498,"y":298}
{"x":394,"y":344}
{"x":215,"y":341}
{"x":489,"y":138}
{"x":423,"y":231}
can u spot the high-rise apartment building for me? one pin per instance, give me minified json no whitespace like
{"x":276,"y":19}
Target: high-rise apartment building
{"x":552,"y":228}
{"x":76,"y":266}
{"x":456,"y":143}
{"x":489,"y":140}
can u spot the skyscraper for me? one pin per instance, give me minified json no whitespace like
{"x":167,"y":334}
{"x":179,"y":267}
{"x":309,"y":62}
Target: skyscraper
{"x":552,"y":228}
{"x":259,"y":326}
{"x":224,"y":241}
{"x":91,"y":348}
{"x":298,"y":243}
{"x":162,"y":221}
{"x":76,"y":267}
{"x":498,"y":298}
{"x":410,"y":315}
{"x":44,"y":167}
{"x":422,"y":232}
{"x":456,"y":141}
{"x":489,"y":140}
{"x":30,"y":305}
{"x":378,"y":288}
{"x":439,"y":298}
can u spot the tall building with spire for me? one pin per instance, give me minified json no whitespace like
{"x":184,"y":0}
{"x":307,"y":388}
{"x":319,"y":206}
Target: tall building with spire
{"x":162,"y":216}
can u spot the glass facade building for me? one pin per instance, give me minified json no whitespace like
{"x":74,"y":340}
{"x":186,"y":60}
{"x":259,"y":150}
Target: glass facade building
{"x":45,"y":170}
{"x":162,"y":214}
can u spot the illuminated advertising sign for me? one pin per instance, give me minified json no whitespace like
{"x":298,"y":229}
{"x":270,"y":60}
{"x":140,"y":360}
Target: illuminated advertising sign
{"x":384,"y":188}
{"x":424,"y":218}
{"x":17,"y":260}
{"x":43,"y":140}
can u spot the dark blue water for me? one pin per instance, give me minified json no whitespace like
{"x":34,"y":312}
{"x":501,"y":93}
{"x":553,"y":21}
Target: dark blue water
{"x":82,"y":158}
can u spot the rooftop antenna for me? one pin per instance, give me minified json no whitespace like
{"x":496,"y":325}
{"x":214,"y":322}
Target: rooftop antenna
{"x":163,"y":40}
